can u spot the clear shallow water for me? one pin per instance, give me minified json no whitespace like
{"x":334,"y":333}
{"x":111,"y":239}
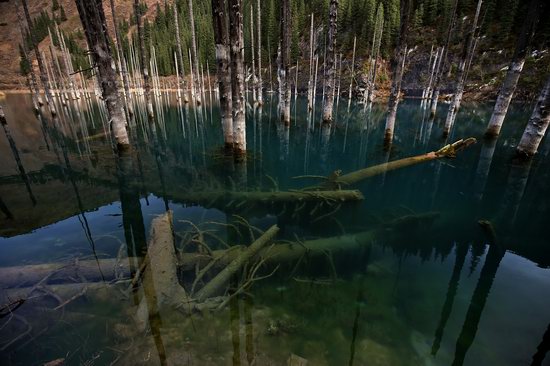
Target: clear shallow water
{"x":435,"y":296}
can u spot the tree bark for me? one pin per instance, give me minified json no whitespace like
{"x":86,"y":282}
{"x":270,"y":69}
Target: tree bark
{"x":467,"y":54}
{"x":283,"y":73}
{"x":397,"y":66}
{"x":514,"y":70}
{"x":144,"y":61}
{"x":40,"y":61}
{"x":442,"y":64}
{"x":95,"y":27}
{"x":259,"y":90}
{"x":311,"y":68}
{"x":221,"y":37}
{"x":330,"y":63}
{"x":122,"y":60}
{"x":195,"y":55}
{"x":237,"y":75}
{"x":537,"y":125}
{"x":180,"y":53}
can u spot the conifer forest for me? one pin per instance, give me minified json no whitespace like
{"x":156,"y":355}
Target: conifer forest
{"x":274,"y":182}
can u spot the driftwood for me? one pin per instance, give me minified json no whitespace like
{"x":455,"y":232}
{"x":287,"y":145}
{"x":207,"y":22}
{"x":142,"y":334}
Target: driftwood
{"x":279,"y":253}
{"x":222,"y":278}
{"x":447,"y":151}
{"x":160,"y":279}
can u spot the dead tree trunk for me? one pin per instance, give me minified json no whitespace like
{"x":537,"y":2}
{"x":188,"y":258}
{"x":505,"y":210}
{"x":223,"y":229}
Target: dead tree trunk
{"x":41,"y":66}
{"x":237,"y":74}
{"x":442,"y":64}
{"x":537,"y":125}
{"x":330,"y":63}
{"x":93,"y":20}
{"x":514,"y":70}
{"x":221,"y":37}
{"x":195,"y":55}
{"x":311,"y":69}
{"x":144,"y":61}
{"x":397,"y":66}
{"x":122,"y":61}
{"x":283,"y":73}
{"x":180,"y":52}
{"x":259,"y":90}
{"x":461,"y":75}
{"x":253,"y":53}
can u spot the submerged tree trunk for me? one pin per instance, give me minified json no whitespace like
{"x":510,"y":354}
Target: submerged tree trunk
{"x":237,"y":74}
{"x":122,"y":61}
{"x":397,"y":66}
{"x":221,"y":37}
{"x":467,"y":54}
{"x":442,"y":63}
{"x":144,"y":61}
{"x":514,"y":70}
{"x":537,"y":125}
{"x":195,"y":55}
{"x":40,"y":61}
{"x":283,"y":73}
{"x":259,"y":88}
{"x":93,"y":21}
{"x":330,"y":63}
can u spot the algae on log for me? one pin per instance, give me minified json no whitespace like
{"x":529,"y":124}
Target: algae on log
{"x":160,"y":278}
{"x":448,"y":151}
{"x":222,"y":278}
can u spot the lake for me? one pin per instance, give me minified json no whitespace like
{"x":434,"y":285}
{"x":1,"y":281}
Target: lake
{"x":454,"y":271}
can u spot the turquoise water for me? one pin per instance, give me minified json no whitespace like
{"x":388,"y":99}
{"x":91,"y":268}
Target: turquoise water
{"x":446,"y":292}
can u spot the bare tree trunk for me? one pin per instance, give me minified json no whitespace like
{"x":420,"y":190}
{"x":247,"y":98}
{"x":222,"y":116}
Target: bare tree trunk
{"x":330,"y":64}
{"x":221,"y":37}
{"x":397,"y":66}
{"x":259,"y":91}
{"x":94,"y":23}
{"x":180,"y":53}
{"x":514,"y":70}
{"x":195,"y":60}
{"x":442,"y":64}
{"x":283,"y":73}
{"x":144,"y":61}
{"x":122,"y":60}
{"x":537,"y":125}
{"x":41,"y":66}
{"x":311,"y":68}
{"x":237,"y":74}
{"x":376,"y":42}
{"x":352,"y":72}
{"x":461,"y":75}
{"x":253,"y":53}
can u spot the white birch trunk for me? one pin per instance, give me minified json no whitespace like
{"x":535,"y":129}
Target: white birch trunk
{"x":537,"y":125}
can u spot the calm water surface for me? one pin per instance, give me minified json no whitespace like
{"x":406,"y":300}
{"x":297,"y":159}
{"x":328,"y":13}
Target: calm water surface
{"x":444,"y":292}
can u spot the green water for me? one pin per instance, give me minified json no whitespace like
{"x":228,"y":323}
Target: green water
{"x":434,"y":294}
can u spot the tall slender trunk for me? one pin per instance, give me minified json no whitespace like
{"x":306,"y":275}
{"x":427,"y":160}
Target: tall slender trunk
{"x":461,"y":75}
{"x":442,"y":64}
{"x":221,"y":37}
{"x":237,"y":74}
{"x":253,"y":53}
{"x":144,"y":62}
{"x":330,"y":71}
{"x":537,"y":125}
{"x":94,"y":23}
{"x":376,"y":42}
{"x":41,"y":66}
{"x":283,"y":73}
{"x":311,"y":68}
{"x":352,"y":71}
{"x":31,"y":76}
{"x":180,"y":53}
{"x":514,"y":70}
{"x":397,"y":66}
{"x":194,"y":52}
{"x":122,"y":61}
{"x":259,"y":91}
